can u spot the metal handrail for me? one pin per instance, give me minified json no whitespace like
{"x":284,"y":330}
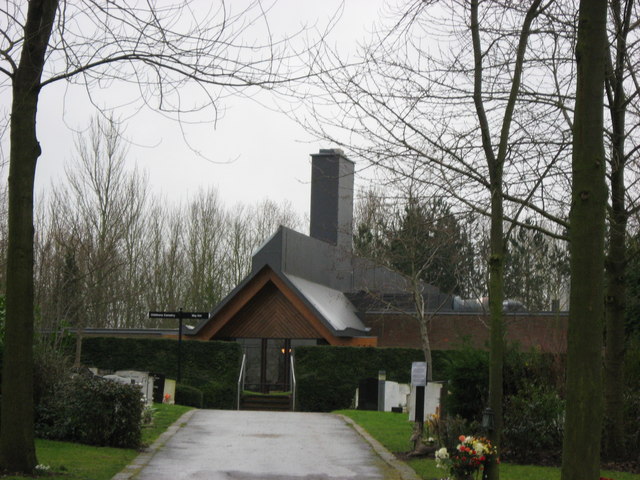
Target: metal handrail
{"x":293,"y":384}
{"x":241,"y":380}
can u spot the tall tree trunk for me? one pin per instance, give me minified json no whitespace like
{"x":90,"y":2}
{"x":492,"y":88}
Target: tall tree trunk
{"x":497,"y":328}
{"x":581,"y":448}
{"x":17,"y":448}
{"x":615,"y":304}
{"x":495,"y":164}
{"x":614,"y":313}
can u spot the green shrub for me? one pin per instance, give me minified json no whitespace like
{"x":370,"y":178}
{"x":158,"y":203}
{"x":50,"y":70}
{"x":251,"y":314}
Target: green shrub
{"x":449,"y":428}
{"x":219,"y":395}
{"x":188,"y":395}
{"x":467,"y":374}
{"x":93,"y":411}
{"x":533,"y":424}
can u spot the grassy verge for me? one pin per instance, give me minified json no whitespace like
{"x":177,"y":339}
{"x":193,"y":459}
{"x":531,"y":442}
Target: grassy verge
{"x":72,"y":461}
{"x":163,"y":417}
{"x":394,"y":431}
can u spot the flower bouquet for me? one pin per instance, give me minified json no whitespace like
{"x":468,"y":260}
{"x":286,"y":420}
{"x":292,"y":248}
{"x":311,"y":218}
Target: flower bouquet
{"x":468,"y":458}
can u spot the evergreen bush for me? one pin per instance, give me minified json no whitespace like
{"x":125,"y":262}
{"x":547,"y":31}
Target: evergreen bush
{"x":188,"y":395}
{"x":533,"y":424}
{"x":93,"y":411}
{"x":219,"y":395}
{"x":467,"y":374}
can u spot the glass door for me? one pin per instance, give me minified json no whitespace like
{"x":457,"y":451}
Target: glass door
{"x":267,"y":367}
{"x":276,"y":371}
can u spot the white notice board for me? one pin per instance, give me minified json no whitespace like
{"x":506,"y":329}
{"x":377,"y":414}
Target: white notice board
{"x":419,"y":374}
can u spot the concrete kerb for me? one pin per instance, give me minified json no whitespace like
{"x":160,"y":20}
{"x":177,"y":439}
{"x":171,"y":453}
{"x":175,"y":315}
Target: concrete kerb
{"x":145,"y":457}
{"x":405,"y":471}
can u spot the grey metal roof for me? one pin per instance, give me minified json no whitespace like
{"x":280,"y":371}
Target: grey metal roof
{"x":331,"y":304}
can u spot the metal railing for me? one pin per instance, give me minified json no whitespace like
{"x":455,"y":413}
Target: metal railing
{"x":241,"y":381}
{"x":293,"y":384}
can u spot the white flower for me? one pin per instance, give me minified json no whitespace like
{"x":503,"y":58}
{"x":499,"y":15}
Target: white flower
{"x":442,"y":453}
{"x":442,"y":458}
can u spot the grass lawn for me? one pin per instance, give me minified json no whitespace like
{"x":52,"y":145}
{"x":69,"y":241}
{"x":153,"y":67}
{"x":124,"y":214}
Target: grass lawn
{"x":394,"y":431}
{"x":72,"y":461}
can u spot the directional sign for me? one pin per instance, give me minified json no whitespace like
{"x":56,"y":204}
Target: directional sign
{"x":194,"y":315}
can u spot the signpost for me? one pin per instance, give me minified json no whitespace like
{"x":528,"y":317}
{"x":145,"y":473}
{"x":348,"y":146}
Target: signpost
{"x":180,"y":315}
{"x":419,"y":380}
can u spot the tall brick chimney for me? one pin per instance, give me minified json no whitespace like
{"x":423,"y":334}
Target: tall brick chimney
{"x":332,"y":198}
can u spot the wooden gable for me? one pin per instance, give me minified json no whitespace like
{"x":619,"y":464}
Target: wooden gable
{"x":269,"y":314}
{"x":266,"y":307}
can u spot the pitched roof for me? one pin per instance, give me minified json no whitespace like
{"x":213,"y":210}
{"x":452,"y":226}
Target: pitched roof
{"x":328,"y":308}
{"x":332,"y":305}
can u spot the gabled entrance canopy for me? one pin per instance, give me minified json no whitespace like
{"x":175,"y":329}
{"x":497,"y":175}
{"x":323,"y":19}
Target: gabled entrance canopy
{"x":271,"y":304}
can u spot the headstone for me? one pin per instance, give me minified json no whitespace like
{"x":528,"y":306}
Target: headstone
{"x":142,"y":379}
{"x":368,"y":394}
{"x":158,"y":387}
{"x":169,"y":395}
{"x":431,"y":400}
{"x":395,"y":396}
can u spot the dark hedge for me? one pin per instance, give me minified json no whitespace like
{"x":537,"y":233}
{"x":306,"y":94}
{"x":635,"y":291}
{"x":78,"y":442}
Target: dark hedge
{"x":202,"y":362}
{"x":328,"y":376}
{"x":188,"y":395}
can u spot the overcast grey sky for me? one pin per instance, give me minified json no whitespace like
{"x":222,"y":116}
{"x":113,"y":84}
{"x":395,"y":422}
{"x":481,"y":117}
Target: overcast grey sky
{"x":252,"y":154}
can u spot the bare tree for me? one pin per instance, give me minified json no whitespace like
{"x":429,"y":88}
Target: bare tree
{"x":422,"y":239}
{"x":248,"y":228}
{"x":108,"y":201}
{"x":89,"y":246}
{"x":164,"y":263}
{"x":204,"y":235}
{"x":537,"y":269}
{"x":448,"y":85}
{"x":159,"y":50}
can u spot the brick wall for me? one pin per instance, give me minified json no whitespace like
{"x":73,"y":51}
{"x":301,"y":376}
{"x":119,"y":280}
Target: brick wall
{"x":540,"y":331}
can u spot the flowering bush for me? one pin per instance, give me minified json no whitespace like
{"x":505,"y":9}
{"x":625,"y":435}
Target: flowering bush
{"x":468,"y":457}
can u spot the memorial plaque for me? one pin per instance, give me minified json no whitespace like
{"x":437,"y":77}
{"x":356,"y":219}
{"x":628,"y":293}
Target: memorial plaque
{"x":419,"y":374}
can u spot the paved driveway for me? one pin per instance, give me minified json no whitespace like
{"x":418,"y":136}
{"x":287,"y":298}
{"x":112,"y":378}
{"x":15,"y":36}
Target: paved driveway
{"x":245,"y":445}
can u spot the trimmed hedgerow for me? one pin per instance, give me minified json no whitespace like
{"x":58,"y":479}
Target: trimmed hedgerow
{"x":201,"y":362}
{"x":328,"y":376}
{"x":221,"y":395}
{"x":93,"y":411}
{"x":188,"y":395}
